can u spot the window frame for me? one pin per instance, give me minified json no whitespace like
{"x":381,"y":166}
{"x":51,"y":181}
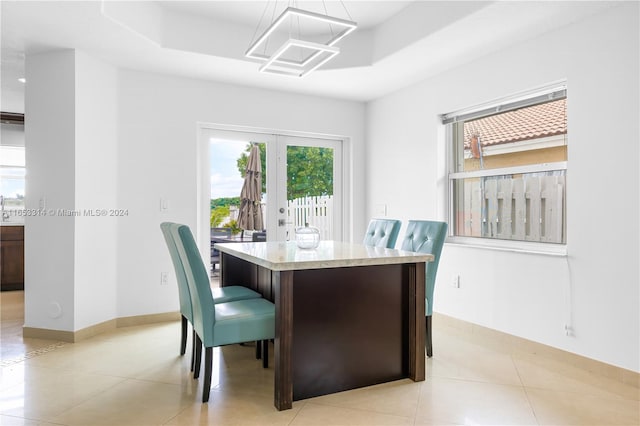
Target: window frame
{"x":452,"y":123}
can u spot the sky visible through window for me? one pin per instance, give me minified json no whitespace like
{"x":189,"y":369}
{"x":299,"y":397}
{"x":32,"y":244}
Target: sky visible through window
{"x":226,"y":180}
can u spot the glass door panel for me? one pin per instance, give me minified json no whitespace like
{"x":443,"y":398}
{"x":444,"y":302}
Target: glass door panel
{"x":309,"y":186}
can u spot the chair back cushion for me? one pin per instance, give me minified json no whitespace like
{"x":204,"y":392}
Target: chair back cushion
{"x":183,"y":288}
{"x":198,"y":281}
{"x":425,"y":236}
{"x":382,"y":233}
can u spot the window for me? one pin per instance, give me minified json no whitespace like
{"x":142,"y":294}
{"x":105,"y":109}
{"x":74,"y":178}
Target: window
{"x":507,"y":169}
{"x":12,"y":182}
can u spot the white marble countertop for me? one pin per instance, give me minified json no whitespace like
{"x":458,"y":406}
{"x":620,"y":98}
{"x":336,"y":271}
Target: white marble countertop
{"x":287,"y":256}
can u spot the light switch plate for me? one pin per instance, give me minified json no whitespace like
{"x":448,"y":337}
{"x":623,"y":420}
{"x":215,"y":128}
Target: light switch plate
{"x":380,"y":210}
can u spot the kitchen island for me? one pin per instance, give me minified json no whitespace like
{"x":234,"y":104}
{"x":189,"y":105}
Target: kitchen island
{"x":347,"y":315}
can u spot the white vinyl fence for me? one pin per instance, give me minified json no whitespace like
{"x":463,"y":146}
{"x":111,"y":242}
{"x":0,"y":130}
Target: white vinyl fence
{"x":527,"y":208}
{"x":314,"y":211}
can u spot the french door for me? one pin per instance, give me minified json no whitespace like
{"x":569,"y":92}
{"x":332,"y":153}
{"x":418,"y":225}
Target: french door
{"x":303,"y":180}
{"x":308,"y":187}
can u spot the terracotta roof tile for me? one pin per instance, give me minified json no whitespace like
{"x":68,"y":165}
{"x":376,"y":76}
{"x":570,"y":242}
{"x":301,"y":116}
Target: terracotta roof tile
{"x":533,"y":122}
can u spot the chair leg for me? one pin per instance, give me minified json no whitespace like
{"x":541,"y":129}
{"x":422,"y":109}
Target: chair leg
{"x":193,"y":349}
{"x":208,"y":361}
{"x":258,"y":349}
{"x":428,"y":343}
{"x":183,"y":336}
{"x":196,"y":365}
{"x":265,"y":354}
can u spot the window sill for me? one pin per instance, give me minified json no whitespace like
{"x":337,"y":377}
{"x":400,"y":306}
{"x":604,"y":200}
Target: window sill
{"x":547,"y":249}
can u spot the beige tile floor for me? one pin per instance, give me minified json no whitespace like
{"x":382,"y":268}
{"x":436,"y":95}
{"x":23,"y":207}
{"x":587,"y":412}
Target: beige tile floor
{"x":134,"y":376}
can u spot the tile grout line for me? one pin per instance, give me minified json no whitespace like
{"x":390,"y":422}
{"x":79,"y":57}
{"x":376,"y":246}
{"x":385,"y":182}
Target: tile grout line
{"x":79,"y":403}
{"x":31,"y":419}
{"x":524,"y":388}
{"x":297,"y":413}
{"x":421,"y":390}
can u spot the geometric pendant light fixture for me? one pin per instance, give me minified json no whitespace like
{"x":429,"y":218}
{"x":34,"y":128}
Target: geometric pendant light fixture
{"x":298,"y":41}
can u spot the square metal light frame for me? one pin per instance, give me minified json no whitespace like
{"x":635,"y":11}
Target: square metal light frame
{"x":298,"y":70}
{"x":348,"y":27}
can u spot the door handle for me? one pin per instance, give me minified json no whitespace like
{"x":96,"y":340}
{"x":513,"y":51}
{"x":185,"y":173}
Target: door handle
{"x":283,"y":222}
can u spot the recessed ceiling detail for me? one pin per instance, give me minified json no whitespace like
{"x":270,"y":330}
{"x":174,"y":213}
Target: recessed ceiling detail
{"x":397,"y":43}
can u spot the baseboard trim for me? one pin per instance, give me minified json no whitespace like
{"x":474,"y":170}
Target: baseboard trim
{"x":45,"y":333}
{"x":147,"y":319}
{"x":514,"y":344}
{"x":96,"y":329}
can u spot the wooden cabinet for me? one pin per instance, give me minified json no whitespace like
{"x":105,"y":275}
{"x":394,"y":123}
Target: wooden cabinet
{"x":12,"y":257}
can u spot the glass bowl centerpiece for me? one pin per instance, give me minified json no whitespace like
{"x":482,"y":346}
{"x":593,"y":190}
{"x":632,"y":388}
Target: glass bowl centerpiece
{"x":307,"y":237}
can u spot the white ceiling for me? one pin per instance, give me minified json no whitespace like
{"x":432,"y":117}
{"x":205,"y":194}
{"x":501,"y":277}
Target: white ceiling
{"x":397,"y":43}
{"x":368,"y":14}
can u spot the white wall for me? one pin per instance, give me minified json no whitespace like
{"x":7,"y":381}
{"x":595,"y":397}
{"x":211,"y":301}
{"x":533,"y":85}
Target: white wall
{"x":596,"y":288}
{"x":70,"y":138}
{"x":50,"y":162}
{"x":158,"y":118}
{"x":95,"y":188}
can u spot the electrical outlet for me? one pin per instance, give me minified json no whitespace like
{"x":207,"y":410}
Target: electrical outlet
{"x":455,"y":281}
{"x":164,"y":278}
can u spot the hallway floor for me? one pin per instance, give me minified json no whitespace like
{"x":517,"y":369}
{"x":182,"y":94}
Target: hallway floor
{"x":134,"y":376}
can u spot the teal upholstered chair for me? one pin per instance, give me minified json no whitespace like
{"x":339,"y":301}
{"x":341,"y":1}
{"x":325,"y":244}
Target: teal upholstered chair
{"x":382,"y":233}
{"x":224,"y":294}
{"x":425,"y":236}
{"x":218,"y":324}
{"x":183,"y":290}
